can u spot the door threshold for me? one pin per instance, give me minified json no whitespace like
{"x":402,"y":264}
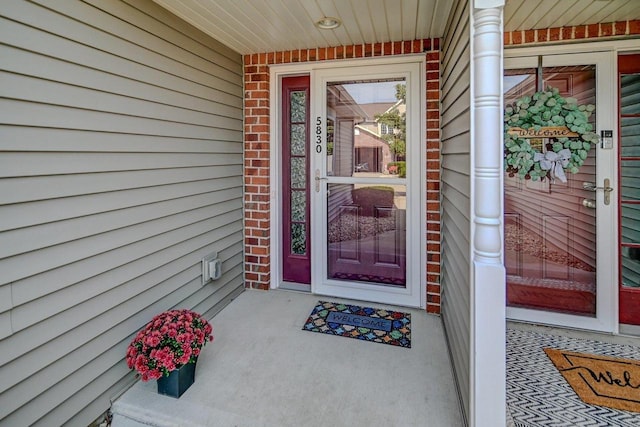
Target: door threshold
{"x":300,"y":287}
{"x":631,"y":330}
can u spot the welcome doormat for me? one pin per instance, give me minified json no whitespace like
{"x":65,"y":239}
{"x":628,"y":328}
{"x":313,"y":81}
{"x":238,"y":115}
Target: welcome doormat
{"x":363,"y":323}
{"x":600,"y":380}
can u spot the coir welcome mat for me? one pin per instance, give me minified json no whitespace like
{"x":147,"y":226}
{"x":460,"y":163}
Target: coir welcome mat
{"x":600,"y":380}
{"x":363,"y":323}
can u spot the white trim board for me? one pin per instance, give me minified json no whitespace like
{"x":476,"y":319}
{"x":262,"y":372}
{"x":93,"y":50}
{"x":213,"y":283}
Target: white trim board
{"x":632,"y":45}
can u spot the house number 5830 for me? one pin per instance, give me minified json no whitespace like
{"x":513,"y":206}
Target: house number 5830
{"x":318,"y":134}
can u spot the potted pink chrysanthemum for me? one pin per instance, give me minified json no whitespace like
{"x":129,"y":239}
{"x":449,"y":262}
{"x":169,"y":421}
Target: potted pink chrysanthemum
{"x":167,"y":349}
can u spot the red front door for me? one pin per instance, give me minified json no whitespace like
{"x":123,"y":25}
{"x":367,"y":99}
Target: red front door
{"x":629,"y":195}
{"x":296,"y":248}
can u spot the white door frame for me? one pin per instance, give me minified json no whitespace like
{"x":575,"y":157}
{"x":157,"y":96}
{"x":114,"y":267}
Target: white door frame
{"x":606,"y":216}
{"x":277,"y":72}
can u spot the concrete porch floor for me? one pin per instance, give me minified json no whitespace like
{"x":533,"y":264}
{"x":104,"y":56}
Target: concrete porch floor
{"x":264,"y":370}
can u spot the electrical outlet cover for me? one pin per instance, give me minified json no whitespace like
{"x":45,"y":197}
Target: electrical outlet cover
{"x":206,"y":274}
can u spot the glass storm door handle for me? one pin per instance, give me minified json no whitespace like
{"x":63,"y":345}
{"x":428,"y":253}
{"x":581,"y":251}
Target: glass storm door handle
{"x":318,"y":179}
{"x":591,"y":186}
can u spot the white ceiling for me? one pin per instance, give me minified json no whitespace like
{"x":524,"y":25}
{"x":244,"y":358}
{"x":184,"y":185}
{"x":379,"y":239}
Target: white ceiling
{"x":254,"y":26}
{"x":531,"y":14}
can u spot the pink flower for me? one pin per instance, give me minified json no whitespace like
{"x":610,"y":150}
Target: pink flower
{"x":186,"y":355}
{"x":141,"y":363}
{"x":131,"y":351}
{"x":154,"y":374}
{"x":169,"y":365}
{"x":185,"y":337}
{"x":152,"y":341}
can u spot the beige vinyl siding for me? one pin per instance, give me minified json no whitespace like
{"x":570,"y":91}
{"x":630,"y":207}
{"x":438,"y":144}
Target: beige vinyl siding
{"x":120,"y":169}
{"x":456,"y":208}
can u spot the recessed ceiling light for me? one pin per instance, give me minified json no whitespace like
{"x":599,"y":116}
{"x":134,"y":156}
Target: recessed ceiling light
{"x":328,"y":23}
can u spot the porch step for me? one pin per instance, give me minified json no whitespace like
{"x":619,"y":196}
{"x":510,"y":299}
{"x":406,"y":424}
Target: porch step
{"x":141,"y":409}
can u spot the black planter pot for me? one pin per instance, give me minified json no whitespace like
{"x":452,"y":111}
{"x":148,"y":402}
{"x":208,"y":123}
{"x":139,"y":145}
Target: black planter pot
{"x":178,"y":381}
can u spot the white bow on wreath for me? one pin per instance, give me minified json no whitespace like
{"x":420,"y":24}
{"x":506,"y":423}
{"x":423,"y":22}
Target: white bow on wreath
{"x":554,"y":162}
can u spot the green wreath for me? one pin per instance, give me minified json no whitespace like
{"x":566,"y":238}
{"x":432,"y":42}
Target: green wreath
{"x":562,"y":151}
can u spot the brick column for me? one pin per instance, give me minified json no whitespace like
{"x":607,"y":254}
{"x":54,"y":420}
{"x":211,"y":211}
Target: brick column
{"x":257,"y":205}
{"x":433,"y":180}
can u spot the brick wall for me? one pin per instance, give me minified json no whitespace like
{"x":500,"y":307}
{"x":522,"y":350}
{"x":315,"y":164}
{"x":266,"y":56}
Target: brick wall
{"x":433,"y":181}
{"x":577,"y":33}
{"x":257,"y":145}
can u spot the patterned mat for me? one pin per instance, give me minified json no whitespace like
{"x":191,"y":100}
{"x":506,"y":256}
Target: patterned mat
{"x":538,"y":395}
{"x":600,"y":380}
{"x":363,"y":323}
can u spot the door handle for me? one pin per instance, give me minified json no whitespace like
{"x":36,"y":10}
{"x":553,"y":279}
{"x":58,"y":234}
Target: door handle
{"x":591,"y":186}
{"x":318,"y":179}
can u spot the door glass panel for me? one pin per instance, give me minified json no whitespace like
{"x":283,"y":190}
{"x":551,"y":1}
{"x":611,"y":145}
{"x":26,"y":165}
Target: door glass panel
{"x":630,"y":267}
{"x":630,"y":181}
{"x":298,"y":106}
{"x":298,"y":165}
{"x":366,"y":128}
{"x":630,"y":136}
{"x":550,"y":235}
{"x":629,"y":94}
{"x":298,"y":239}
{"x":366,"y":233}
{"x":298,"y":139}
{"x":298,"y":172}
{"x":298,"y":205}
{"x":366,"y":210}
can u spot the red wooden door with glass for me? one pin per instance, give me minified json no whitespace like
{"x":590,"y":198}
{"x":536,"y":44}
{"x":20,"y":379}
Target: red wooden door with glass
{"x":296,"y":248}
{"x":629,"y":151}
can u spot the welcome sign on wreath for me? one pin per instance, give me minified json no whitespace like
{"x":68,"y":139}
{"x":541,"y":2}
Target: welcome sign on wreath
{"x":546,"y":135}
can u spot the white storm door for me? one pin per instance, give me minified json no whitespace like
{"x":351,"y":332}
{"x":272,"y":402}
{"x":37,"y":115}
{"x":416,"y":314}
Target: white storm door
{"x":560,"y":237}
{"x":366,"y":198}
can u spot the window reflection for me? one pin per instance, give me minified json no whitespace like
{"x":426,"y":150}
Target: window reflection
{"x":366,"y":129}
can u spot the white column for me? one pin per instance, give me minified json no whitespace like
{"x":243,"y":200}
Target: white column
{"x":488,"y":317}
